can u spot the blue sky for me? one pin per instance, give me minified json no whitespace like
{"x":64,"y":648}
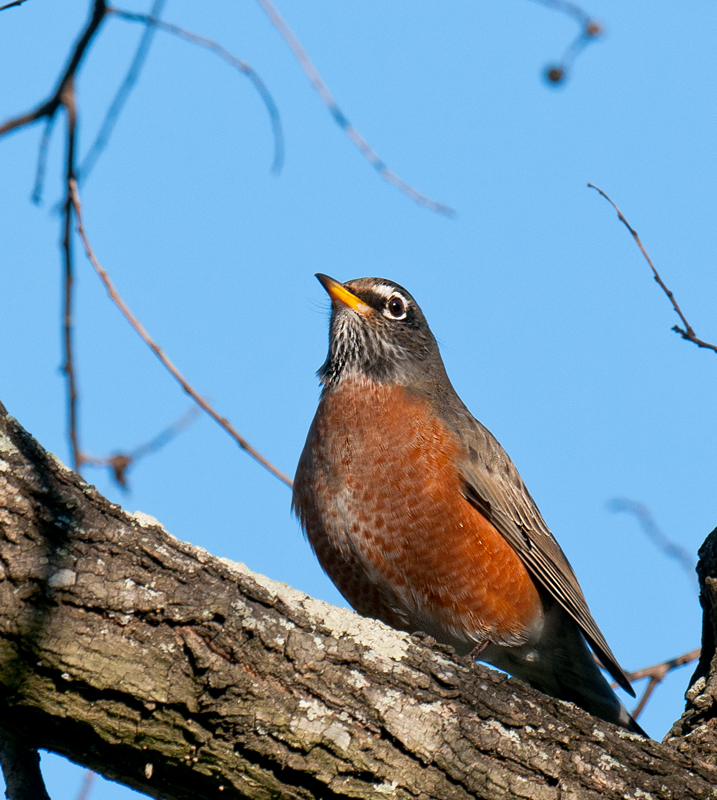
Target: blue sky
{"x":551,"y":327}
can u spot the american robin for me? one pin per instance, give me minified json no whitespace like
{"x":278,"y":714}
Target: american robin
{"x":421,"y":519}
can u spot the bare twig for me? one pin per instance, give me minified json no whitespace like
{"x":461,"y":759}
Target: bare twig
{"x":10,"y":5}
{"x":687,"y":332}
{"x":49,"y":107}
{"x":86,"y":787}
{"x":590,"y":30}
{"x":139,"y":328}
{"x":120,"y":98}
{"x":119,"y":463}
{"x":657,"y":674}
{"x":68,"y":101}
{"x":571,"y":9}
{"x":42,"y":160}
{"x":152,"y":22}
{"x":341,"y":120}
{"x":64,"y":97}
{"x":657,"y":537}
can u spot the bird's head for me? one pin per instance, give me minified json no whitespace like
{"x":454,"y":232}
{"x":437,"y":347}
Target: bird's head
{"x":378,"y":332}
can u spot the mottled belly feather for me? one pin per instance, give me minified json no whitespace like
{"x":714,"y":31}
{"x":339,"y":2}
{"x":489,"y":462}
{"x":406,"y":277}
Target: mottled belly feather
{"x":393,"y":530}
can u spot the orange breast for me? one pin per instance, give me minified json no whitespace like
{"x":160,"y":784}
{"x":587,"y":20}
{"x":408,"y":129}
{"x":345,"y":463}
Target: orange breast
{"x":379,"y":496}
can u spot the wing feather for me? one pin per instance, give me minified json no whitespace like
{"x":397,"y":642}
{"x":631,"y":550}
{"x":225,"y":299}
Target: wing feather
{"x":494,"y":487}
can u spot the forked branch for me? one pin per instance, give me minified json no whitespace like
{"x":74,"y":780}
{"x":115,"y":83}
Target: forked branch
{"x":590,"y":29}
{"x":120,"y":463}
{"x":49,"y":107}
{"x":656,"y":674}
{"x":687,"y":332}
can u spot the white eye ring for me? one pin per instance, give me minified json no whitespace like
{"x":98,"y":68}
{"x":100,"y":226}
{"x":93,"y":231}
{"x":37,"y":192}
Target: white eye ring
{"x":396,"y":307}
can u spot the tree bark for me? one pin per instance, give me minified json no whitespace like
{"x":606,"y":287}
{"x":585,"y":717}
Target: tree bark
{"x":187,"y":676}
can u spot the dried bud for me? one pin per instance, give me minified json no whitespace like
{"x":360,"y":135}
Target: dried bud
{"x":554,"y":74}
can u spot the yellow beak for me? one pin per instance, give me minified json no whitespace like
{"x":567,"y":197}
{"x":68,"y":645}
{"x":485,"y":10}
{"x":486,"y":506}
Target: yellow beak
{"x":339,"y":294}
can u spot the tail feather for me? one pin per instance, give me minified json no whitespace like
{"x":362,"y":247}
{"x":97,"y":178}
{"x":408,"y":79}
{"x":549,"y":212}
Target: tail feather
{"x":559,"y":663}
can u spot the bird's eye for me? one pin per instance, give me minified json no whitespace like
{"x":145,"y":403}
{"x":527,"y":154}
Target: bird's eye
{"x":396,"y":307}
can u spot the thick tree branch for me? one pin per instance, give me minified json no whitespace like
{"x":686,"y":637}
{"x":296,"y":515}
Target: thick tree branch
{"x":696,"y":731}
{"x":183,"y":675}
{"x":20,"y":768}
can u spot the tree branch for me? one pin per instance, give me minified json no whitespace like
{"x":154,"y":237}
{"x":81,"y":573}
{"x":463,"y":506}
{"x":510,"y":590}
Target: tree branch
{"x":120,"y":98}
{"x":696,"y":730}
{"x":687,"y":332}
{"x":49,"y":107}
{"x":656,"y":674}
{"x":120,"y":463}
{"x":183,"y":675}
{"x":157,"y":350}
{"x":86,"y":786}
{"x":68,"y":367}
{"x":64,"y":97}
{"x":11,"y":5}
{"x":152,"y":22}
{"x":340,"y":118}
{"x":670,"y":548}
{"x":20,"y":767}
{"x":590,"y":29}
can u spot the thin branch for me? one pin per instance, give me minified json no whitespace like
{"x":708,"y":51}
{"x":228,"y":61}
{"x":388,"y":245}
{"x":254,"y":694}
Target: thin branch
{"x":687,"y":332}
{"x":152,"y":22}
{"x":42,"y":161}
{"x":649,"y":689}
{"x":341,"y":120}
{"x":164,"y":437}
{"x":590,"y":30}
{"x":49,"y":107}
{"x":10,"y":5}
{"x":119,"y":463}
{"x":86,"y":786}
{"x":657,"y":674}
{"x":139,"y":328}
{"x":571,"y":9}
{"x":64,"y":97}
{"x":120,"y":98}
{"x":68,"y":367}
{"x":671,"y":549}
{"x":660,"y":670}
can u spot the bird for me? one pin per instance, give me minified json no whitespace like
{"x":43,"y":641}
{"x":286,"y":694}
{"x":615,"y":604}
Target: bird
{"x":421,"y":519}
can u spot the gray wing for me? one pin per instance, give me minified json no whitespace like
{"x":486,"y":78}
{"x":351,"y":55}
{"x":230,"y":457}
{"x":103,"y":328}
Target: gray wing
{"x":494,"y":487}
